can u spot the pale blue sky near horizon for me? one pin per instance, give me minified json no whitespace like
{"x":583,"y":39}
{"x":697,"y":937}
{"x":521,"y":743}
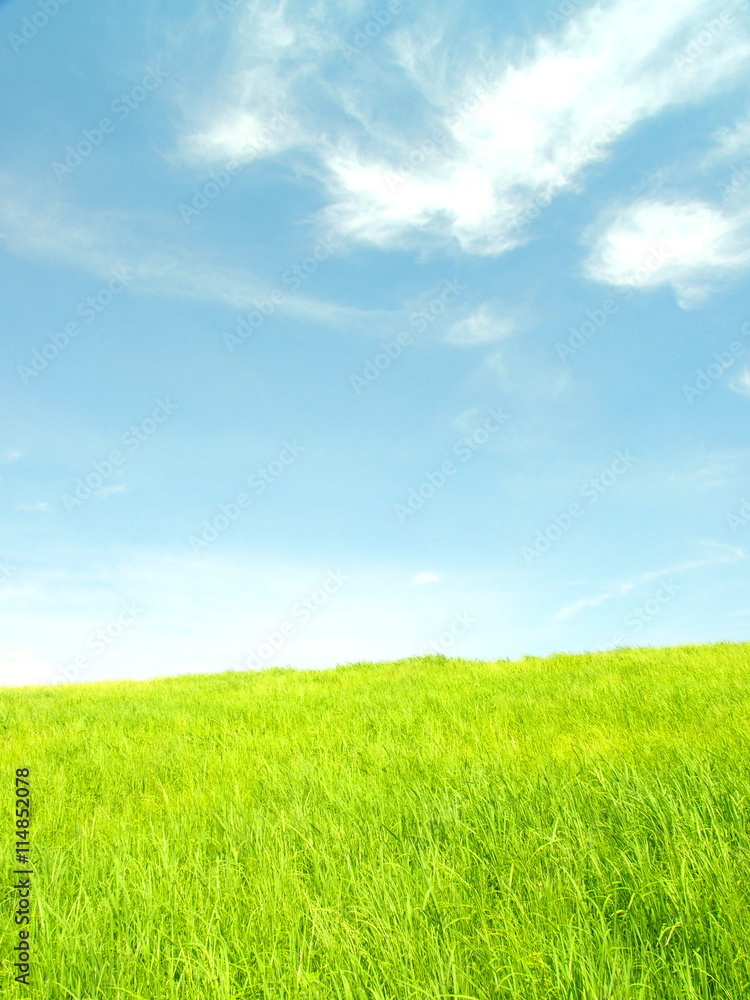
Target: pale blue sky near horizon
{"x":350,"y":331}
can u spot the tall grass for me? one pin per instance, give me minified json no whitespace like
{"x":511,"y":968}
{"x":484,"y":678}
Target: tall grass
{"x":572,"y":828}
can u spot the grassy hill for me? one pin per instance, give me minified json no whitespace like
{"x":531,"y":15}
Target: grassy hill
{"x":569,"y":828}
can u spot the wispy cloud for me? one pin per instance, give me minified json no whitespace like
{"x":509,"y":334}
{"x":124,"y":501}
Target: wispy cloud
{"x":483,"y":326}
{"x":44,"y":227}
{"x":503,"y":143}
{"x":585,"y":602}
{"x":722,"y":554}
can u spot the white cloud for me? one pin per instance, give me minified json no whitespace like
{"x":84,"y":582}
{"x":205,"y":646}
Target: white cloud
{"x":10,"y":455}
{"x":512,"y":139}
{"x":689,"y":245}
{"x":483,"y":326}
{"x":39,"y":506}
{"x":425,"y":577}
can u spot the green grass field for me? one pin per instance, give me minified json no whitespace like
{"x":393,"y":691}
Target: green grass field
{"x":570,"y":828}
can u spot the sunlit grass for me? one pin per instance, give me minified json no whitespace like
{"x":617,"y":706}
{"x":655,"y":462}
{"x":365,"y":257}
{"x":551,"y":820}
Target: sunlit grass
{"x":573,"y":828}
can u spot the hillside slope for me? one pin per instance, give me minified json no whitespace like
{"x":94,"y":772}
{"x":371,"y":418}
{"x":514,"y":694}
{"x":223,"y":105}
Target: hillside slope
{"x":572,"y":827}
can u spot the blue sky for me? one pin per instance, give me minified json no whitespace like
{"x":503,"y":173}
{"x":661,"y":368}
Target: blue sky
{"x":343,"y":331}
